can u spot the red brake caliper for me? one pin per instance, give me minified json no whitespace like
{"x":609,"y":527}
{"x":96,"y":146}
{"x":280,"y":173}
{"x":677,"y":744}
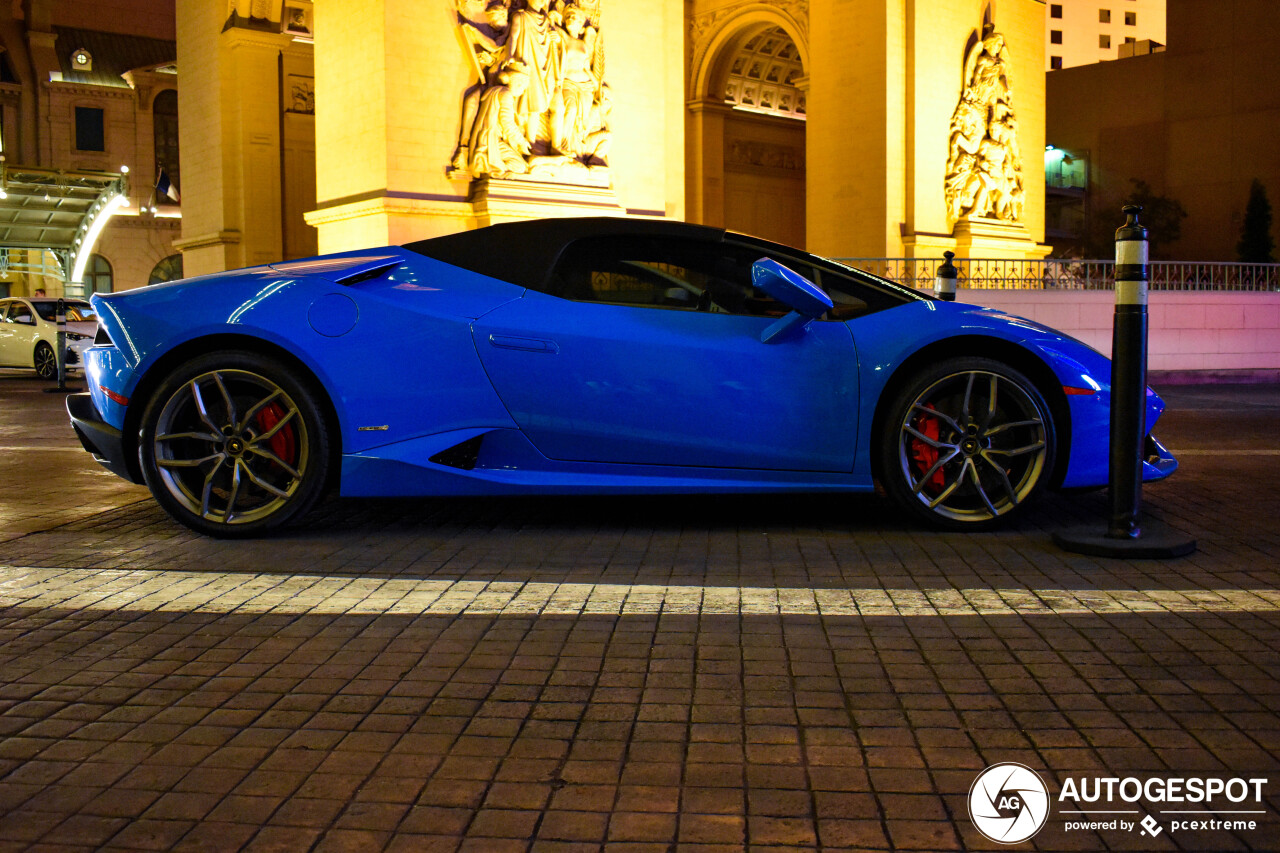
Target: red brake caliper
{"x":283,"y":444}
{"x":923,"y":453}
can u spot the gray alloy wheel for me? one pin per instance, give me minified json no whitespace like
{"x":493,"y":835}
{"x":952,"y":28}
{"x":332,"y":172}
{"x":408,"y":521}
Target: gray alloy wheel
{"x":46,"y":362}
{"x":234,"y":444}
{"x":967,"y":443}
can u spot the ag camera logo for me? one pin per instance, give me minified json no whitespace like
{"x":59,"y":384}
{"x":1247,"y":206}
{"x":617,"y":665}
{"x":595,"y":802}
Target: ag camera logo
{"x":1008,"y":802}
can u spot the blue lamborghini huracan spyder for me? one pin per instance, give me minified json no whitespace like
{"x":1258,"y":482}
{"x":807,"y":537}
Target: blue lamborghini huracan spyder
{"x":583,"y":356}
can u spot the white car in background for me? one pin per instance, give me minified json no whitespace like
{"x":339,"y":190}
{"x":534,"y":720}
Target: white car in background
{"x":29,"y":333}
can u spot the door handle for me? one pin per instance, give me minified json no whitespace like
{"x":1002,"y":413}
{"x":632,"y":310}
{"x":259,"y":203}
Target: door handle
{"x":524,"y":344}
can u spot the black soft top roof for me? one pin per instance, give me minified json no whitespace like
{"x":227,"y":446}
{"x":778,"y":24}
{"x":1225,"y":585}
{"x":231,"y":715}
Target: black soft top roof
{"x":524,"y":252}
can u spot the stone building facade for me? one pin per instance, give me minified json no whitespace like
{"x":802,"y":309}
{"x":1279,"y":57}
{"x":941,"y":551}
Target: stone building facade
{"x":870,"y":128}
{"x":1196,"y":123}
{"x":829,"y":125}
{"x":92,"y":86}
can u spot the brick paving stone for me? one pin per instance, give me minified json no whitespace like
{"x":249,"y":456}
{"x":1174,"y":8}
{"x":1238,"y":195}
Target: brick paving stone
{"x":670,"y":673}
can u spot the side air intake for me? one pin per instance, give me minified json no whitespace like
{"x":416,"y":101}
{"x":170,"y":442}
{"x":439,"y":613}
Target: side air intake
{"x":462,"y":456}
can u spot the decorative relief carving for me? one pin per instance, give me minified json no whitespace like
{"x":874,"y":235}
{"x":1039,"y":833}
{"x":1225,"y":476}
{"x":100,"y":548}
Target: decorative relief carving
{"x":255,"y":10}
{"x":302,"y":94}
{"x":707,"y":22}
{"x":539,"y":105}
{"x":750,"y":152}
{"x":297,"y":21}
{"x":984,"y":164}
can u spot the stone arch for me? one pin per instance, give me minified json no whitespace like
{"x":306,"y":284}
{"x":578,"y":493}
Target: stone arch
{"x":717,"y":35}
{"x":745,"y":156}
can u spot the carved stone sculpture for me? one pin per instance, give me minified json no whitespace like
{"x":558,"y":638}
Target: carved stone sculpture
{"x":562,"y":104}
{"x":258,"y":10}
{"x":498,"y":144}
{"x":984,"y":163}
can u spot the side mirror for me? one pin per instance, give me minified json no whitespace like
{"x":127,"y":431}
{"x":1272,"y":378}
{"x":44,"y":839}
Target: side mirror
{"x":806,"y":299}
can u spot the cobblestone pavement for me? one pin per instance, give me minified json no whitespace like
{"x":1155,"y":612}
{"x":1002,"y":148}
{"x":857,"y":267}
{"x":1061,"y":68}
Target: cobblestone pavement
{"x":692,"y":674}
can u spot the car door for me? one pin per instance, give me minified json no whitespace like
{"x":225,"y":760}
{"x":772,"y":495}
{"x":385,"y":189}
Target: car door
{"x":16,"y":326}
{"x":26,"y":331}
{"x":649,"y":351}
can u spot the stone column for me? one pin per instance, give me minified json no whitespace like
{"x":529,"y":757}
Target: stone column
{"x":389,"y":81}
{"x":855,"y":130}
{"x":705,"y":189}
{"x":230,"y":138}
{"x":298,"y":149}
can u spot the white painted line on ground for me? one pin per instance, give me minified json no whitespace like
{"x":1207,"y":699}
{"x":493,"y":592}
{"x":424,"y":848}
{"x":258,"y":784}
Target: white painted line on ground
{"x":1225,"y":452}
{"x":185,"y":592}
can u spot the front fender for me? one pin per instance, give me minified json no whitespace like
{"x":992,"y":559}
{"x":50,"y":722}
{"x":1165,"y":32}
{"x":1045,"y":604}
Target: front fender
{"x":886,"y":340}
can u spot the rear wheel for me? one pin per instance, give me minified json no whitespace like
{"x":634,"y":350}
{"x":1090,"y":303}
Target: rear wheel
{"x":234,"y":444}
{"x":966,"y":444}
{"x":46,"y":363}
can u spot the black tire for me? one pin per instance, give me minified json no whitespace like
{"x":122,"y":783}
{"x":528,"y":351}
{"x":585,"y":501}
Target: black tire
{"x":955,"y":459}
{"x":45,"y":361}
{"x":234,"y":444}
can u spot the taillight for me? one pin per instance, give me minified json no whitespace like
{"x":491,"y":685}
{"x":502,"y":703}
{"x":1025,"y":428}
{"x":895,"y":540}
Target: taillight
{"x":114,"y":397}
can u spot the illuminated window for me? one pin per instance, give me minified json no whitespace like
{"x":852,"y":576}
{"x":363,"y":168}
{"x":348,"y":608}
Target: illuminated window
{"x":1055,"y":10}
{"x":1104,"y":42}
{"x":165,"y":136}
{"x":1130,"y":19}
{"x":90,"y":135}
{"x":169,"y":269}
{"x":1055,"y":63}
{"x":1104,"y":16}
{"x":97,"y":275}
{"x":1055,"y":36}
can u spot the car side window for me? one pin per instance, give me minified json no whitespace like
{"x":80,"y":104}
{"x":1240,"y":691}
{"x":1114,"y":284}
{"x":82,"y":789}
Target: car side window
{"x":854,"y":298}
{"x":690,"y":275}
{"x":20,"y":313}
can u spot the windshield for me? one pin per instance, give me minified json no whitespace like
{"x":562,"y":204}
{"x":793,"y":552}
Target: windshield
{"x":77,"y":311}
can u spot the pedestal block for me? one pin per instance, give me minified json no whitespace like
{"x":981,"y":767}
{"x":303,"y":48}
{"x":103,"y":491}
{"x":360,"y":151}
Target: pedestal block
{"x":980,"y":237}
{"x":497,"y":200}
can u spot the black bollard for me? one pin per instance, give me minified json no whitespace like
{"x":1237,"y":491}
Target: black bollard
{"x":61,"y":319}
{"x":1128,"y":377}
{"x":944,"y":285}
{"x":60,"y":351}
{"x":1124,"y":536}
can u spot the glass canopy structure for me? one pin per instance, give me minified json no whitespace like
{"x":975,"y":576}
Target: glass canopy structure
{"x":53,"y":218}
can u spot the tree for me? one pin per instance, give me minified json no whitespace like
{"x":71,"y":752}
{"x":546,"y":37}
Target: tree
{"x":1256,"y":244}
{"x":1161,"y":216}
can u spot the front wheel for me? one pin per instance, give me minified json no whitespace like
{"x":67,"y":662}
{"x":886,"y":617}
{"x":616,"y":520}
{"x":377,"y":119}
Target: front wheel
{"x":46,"y":363}
{"x":966,"y":444}
{"x":234,"y":444}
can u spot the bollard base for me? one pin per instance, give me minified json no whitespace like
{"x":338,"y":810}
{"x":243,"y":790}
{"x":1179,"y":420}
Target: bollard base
{"x":1157,"y":542}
